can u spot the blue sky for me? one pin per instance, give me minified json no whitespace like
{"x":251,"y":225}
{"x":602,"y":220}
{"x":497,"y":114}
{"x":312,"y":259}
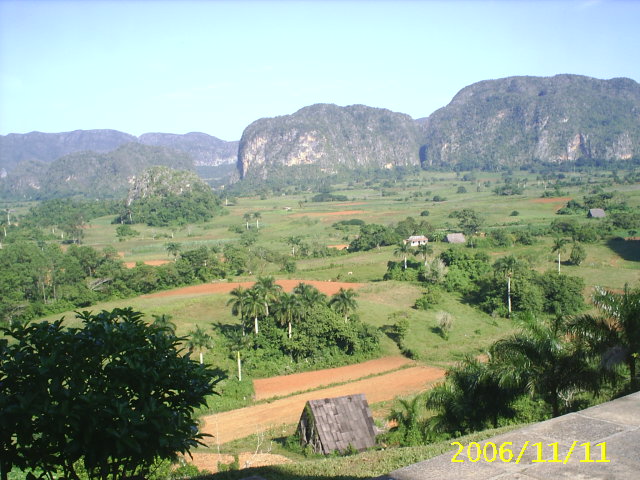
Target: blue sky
{"x":216,"y":66}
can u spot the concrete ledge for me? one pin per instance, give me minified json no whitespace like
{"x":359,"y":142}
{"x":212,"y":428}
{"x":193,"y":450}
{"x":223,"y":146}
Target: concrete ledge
{"x":615,"y":424}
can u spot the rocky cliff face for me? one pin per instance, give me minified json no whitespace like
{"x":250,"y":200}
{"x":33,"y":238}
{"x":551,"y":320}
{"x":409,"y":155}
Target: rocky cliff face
{"x":330,"y":137}
{"x":518,"y":120}
{"x":204,"y":149}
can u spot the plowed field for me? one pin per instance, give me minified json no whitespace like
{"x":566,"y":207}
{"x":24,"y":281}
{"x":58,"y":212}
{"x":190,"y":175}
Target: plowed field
{"x":301,"y":382}
{"x":328,"y":288}
{"x":227,"y":426}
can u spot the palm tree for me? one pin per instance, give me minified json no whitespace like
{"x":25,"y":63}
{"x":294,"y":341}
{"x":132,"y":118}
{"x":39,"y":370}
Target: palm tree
{"x":173,"y":248}
{"x":257,"y":216}
{"x":408,"y":420}
{"x":163,"y":322}
{"x":559,"y":245}
{"x":614,"y":335}
{"x":288,"y":310}
{"x":402,"y":250}
{"x":423,"y":250}
{"x":343,"y":302}
{"x":309,"y":296}
{"x":200,"y":340}
{"x":247,"y":217}
{"x":254,"y":306}
{"x":268,"y":290}
{"x":238,"y":303}
{"x":541,"y":360}
{"x":506,"y":266}
{"x":294,"y":241}
{"x":470,"y":398}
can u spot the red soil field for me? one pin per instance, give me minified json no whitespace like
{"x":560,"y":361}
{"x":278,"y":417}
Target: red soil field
{"x":227,"y":426}
{"x":153,"y":263}
{"x":327,"y":214}
{"x":300,"y":382}
{"x":551,"y":200}
{"x":328,"y":288}
{"x":339,"y":247}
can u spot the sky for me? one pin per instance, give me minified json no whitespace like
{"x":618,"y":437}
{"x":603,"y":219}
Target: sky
{"x":216,"y":66}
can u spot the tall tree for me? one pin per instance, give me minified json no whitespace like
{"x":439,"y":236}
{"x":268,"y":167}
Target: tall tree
{"x":288,"y":310}
{"x":173,"y":248}
{"x":614,"y":334}
{"x":402,"y":250}
{"x":268,"y":290}
{"x":559,"y":245}
{"x":247,"y":217}
{"x":255,"y":307}
{"x":424,"y":250}
{"x":257,"y":216}
{"x":343,"y":302}
{"x":309,"y":296}
{"x":238,"y":302}
{"x":199,"y":340}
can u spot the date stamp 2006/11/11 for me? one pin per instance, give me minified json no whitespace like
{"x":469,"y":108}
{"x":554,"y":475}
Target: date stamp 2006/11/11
{"x":549,"y":452}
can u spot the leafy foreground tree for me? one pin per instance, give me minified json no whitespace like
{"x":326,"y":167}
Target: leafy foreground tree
{"x":111,"y":398}
{"x":540,"y":360}
{"x":614,"y":334}
{"x":472,"y":398}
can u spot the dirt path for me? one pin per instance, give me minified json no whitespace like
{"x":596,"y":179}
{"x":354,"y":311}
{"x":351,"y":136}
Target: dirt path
{"x":227,"y":426}
{"x":301,"y":382}
{"x":328,"y":288}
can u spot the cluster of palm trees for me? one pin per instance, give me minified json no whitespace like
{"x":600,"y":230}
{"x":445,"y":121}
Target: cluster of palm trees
{"x":248,"y":216}
{"x":266,"y":298}
{"x":403,"y":249}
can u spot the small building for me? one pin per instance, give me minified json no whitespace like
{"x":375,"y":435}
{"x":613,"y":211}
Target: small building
{"x":415,"y":240}
{"x":339,"y":423}
{"x":455,"y":238}
{"x":596,"y":213}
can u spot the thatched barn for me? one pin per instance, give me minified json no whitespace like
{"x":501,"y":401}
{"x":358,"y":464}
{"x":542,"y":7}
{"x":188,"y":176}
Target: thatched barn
{"x":596,"y":213}
{"x":455,"y":238}
{"x":340,"y":423}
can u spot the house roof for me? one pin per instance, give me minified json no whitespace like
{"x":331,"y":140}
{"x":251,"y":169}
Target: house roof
{"x":341,"y":422}
{"x":417,"y":238}
{"x":455,"y":238}
{"x":597,"y":213}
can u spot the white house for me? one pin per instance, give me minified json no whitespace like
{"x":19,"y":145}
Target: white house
{"x":415,"y":240}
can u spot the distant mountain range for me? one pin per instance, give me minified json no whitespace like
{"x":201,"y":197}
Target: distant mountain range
{"x":491,"y":124}
{"x":98,"y":162}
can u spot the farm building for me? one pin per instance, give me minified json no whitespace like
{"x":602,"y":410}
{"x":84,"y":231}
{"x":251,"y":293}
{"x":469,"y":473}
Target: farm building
{"x":596,"y":213}
{"x":455,"y":238}
{"x":415,"y":240}
{"x":339,"y":423}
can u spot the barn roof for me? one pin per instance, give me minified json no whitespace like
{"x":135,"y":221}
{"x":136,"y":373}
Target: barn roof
{"x":597,"y":213}
{"x":455,"y":238}
{"x":341,"y":422}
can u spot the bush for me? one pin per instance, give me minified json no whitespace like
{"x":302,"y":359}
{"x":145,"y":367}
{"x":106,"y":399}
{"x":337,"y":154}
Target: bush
{"x":514,"y":213}
{"x":424,"y":213}
{"x":428,"y":299}
{"x":113,"y":394}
